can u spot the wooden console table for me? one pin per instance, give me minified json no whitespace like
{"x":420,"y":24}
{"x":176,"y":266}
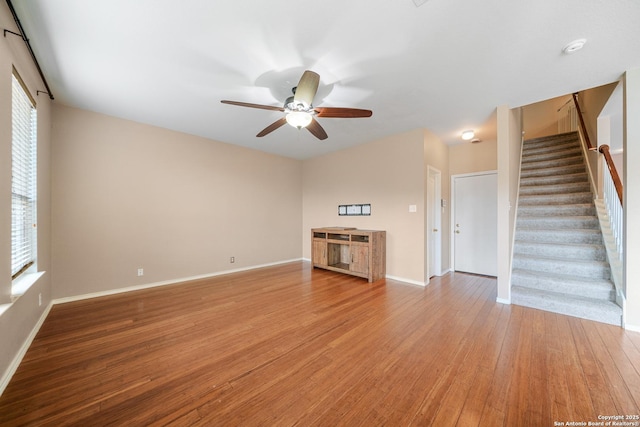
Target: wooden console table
{"x":351,"y":251}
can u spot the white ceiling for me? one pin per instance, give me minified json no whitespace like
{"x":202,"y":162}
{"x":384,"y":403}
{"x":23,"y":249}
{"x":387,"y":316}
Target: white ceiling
{"x":443,"y":66}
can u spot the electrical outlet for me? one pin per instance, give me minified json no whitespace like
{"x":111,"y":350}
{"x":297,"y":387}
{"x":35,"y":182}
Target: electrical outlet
{"x":39,"y":300}
{"x":232,"y":259}
{"x":140,"y":272}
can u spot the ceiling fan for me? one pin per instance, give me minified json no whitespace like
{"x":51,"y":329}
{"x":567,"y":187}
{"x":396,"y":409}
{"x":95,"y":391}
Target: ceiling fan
{"x":299,"y":110}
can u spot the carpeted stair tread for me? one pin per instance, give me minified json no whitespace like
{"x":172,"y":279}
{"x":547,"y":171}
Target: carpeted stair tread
{"x":552,"y":140}
{"x":534,"y":149}
{"x":551,"y":282}
{"x":584,"y":308}
{"x":541,"y":235}
{"x":553,"y":171}
{"x":528,"y":157}
{"x":586,"y":269}
{"x":568,"y":251}
{"x":556,"y":199}
{"x":558,"y":222}
{"x":573,"y":209}
{"x":553,"y":179}
{"x":571,"y":187}
{"x":574,"y":160}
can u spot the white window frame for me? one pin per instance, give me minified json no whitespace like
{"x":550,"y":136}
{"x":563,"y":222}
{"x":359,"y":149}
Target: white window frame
{"x":23,"y":187}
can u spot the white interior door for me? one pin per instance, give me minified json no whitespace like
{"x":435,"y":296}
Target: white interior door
{"x":475,"y":224}
{"x":431,"y":228}
{"x":434,"y":223}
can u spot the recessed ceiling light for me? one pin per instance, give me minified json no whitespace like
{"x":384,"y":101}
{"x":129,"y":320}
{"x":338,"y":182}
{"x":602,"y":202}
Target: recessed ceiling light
{"x":574,"y":46}
{"x":467,"y":135}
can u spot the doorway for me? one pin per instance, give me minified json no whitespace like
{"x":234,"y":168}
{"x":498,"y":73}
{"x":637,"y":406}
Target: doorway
{"x":474,"y":216}
{"x":434,"y":223}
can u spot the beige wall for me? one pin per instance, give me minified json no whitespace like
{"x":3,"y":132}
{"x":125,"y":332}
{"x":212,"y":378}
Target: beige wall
{"x":19,"y":318}
{"x":541,"y":119}
{"x":592,"y":101}
{"x":389,"y":174}
{"x":470,"y":158}
{"x":129,"y":196}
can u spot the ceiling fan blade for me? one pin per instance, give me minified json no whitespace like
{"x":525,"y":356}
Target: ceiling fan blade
{"x":344,"y":113}
{"x":307,"y":87}
{"x":317,"y":130}
{"x":247,"y":104}
{"x":273,"y":126}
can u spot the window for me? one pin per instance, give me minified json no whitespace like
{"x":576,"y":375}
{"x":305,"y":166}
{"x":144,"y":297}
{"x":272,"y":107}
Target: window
{"x":23,"y":179}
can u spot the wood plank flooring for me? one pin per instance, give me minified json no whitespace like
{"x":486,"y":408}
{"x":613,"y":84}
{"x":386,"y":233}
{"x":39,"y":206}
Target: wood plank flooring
{"x":289,"y":345}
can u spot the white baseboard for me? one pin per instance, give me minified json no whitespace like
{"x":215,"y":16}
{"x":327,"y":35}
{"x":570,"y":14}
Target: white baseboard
{"x":164,"y":283}
{"x":633,"y":328}
{"x":401,"y":279}
{"x":503,"y":301}
{"x":13,"y":367}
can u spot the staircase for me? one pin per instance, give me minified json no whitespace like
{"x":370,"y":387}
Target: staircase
{"x":559,"y":260}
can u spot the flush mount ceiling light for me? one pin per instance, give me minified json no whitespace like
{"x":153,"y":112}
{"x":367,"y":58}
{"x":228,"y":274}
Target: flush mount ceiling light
{"x":468,"y":134}
{"x":299,"y":119}
{"x":574,"y":46}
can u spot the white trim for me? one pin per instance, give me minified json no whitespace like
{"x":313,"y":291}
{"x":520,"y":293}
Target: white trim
{"x":22,"y":284}
{"x":15,"y":363}
{"x":633,"y":328}
{"x":165,"y":282}
{"x":503,"y":301}
{"x":408,"y":281}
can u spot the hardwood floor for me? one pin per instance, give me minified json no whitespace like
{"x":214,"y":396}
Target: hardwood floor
{"x":289,"y":345}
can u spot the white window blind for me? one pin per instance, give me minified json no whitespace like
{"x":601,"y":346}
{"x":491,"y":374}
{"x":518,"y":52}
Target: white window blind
{"x":23,"y":180}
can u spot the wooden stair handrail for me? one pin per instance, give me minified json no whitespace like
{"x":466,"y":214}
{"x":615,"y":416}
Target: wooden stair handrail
{"x":582,"y":125}
{"x":604,"y":149}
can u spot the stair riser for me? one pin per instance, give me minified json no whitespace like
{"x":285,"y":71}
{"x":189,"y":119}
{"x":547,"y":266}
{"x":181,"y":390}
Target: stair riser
{"x":553,"y":140}
{"x":555,"y":199}
{"x":574,"y":187}
{"x":553,"y":163}
{"x":559,"y":236}
{"x":549,"y":303}
{"x":570,"y":288}
{"x":532,"y":150}
{"x":557,"y":210}
{"x":588,"y":270}
{"x":553,"y":171}
{"x":575,"y":252}
{"x":528,"y":157}
{"x":548,"y":223}
{"x":553,"y":179}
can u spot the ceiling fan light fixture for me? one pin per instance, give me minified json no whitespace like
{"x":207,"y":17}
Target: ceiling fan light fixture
{"x":299,"y":119}
{"x":467,"y":135}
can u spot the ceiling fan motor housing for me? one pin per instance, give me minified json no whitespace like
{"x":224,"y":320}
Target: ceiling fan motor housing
{"x":291,"y":105}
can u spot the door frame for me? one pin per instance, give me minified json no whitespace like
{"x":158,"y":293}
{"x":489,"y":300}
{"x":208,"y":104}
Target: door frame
{"x":437,"y":223}
{"x":452,"y":212}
